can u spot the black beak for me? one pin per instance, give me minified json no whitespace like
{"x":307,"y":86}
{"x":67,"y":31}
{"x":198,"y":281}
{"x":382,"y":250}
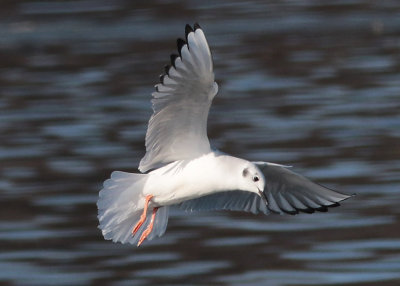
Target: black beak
{"x":262,"y":195}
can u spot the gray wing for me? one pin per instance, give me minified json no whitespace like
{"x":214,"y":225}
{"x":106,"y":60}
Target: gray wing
{"x":229,"y":200}
{"x":289,"y":192}
{"x":178,"y":127}
{"x":284,"y":192}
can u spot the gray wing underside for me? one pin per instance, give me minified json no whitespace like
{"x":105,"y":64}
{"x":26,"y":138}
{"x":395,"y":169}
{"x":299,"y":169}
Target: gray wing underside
{"x":229,"y":200}
{"x":289,"y":192}
{"x":285,"y":192}
{"x":177,"y":129}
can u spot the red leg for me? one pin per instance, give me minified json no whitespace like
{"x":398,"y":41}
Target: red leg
{"x":148,"y":230}
{"x":143,"y":216}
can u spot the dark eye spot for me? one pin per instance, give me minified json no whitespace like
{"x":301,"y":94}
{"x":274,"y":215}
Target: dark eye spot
{"x":256,"y":179}
{"x":245,"y":172}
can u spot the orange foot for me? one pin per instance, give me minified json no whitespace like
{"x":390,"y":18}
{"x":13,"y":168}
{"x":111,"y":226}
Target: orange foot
{"x":148,"y":230}
{"x":143,"y":216}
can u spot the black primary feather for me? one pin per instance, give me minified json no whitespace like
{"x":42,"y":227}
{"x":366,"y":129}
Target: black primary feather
{"x":166,"y":69}
{"x":188,"y":30}
{"x":173,"y":58}
{"x":180,"y":43}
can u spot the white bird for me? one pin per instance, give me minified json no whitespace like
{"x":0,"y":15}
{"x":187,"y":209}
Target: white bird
{"x":180,"y":167}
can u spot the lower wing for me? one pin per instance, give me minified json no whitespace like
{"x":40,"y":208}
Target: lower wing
{"x":285,"y":192}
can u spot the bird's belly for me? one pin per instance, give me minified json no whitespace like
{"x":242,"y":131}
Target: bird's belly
{"x":171,"y":194}
{"x":186,"y":180}
{"x":174,"y":185}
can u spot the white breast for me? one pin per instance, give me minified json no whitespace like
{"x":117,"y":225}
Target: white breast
{"x":184,"y":180}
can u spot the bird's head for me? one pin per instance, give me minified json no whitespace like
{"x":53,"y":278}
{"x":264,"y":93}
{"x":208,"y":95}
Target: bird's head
{"x":252,"y":178}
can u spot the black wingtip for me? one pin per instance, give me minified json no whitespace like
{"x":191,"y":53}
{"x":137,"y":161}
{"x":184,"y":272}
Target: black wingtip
{"x":173,"y":58}
{"x":180,"y":43}
{"x":162,"y":78}
{"x":166,"y":69}
{"x":334,"y":205}
{"x":307,"y":210}
{"x":323,"y":209}
{"x":188,"y":30}
{"x":295,"y":212}
{"x":196,"y":26}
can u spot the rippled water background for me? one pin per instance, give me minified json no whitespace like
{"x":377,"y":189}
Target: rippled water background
{"x":313,"y":84}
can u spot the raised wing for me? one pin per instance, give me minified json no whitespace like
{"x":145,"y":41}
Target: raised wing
{"x":288,"y":192}
{"x":178,"y":127}
{"x":284,"y":192}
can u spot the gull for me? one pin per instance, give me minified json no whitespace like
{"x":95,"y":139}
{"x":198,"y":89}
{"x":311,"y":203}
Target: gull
{"x":180,"y":167}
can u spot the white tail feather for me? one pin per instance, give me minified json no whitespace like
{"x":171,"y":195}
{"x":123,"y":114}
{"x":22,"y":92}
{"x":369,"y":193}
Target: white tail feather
{"x":120,"y":205}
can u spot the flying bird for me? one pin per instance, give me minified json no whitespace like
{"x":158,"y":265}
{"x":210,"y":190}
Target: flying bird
{"x":181,"y":168}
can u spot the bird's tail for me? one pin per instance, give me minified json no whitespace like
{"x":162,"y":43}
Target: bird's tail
{"x":120,"y":205}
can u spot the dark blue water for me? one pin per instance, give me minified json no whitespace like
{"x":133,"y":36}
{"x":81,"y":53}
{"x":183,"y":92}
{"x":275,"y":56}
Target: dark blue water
{"x":311,"y":84}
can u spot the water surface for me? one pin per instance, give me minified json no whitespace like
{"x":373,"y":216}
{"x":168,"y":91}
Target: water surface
{"x":309,"y":84}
